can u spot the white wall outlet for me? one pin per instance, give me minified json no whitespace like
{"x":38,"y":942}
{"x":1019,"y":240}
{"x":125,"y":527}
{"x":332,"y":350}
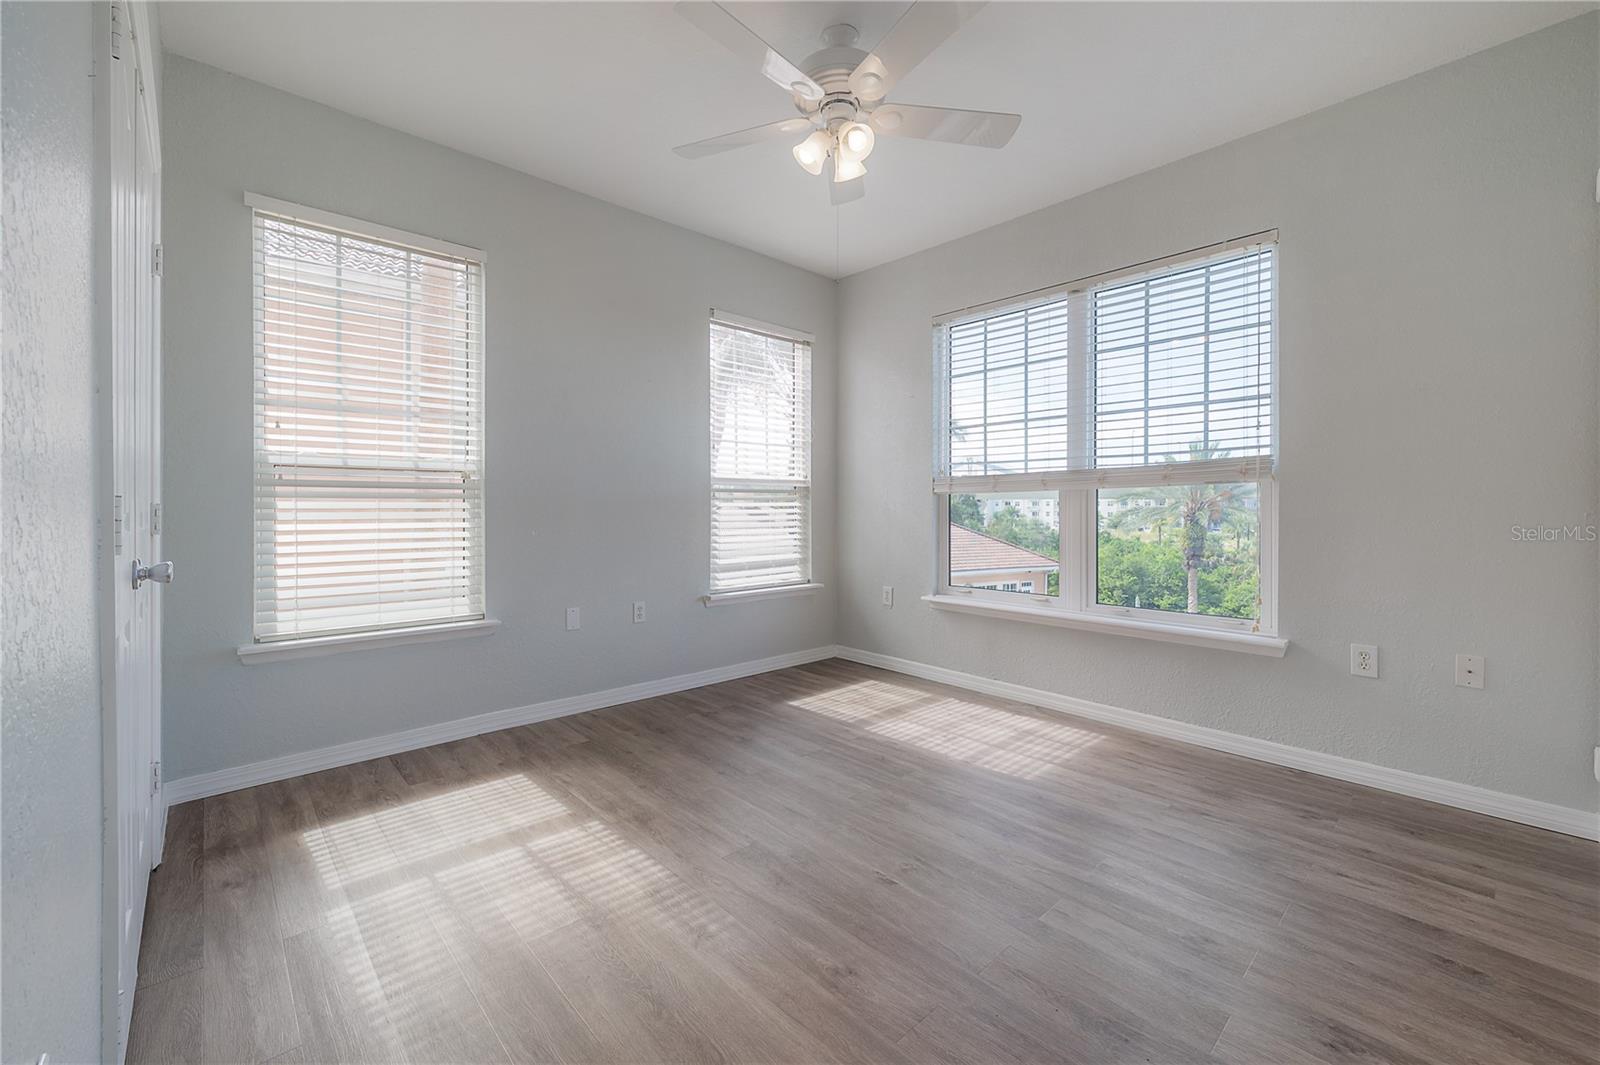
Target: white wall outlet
{"x":638,"y":612}
{"x":574,"y":619}
{"x":888,"y":595}
{"x":1469,"y":671}
{"x":1363,"y":660}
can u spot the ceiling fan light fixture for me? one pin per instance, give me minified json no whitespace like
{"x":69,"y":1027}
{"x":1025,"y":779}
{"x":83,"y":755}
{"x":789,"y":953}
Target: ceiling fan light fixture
{"x":856,"y":140}
{"x":845,"y":169}
{"x":812,"y":152}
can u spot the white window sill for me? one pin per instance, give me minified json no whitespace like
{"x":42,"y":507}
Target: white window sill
{"x":1248,"y":642}
{"x":252,"y":654}
{"x":757,"y":594}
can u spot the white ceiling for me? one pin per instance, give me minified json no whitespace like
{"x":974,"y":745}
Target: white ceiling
{"x":593,"y":96}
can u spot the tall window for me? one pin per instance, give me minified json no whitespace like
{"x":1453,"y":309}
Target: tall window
{"x":1107,"y":447}
{"x":368,"y":427}
{"x":760,"y":456}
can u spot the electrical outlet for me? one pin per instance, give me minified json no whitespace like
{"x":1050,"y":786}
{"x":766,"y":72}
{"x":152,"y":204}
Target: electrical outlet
{"x":638,"y":612}
{"x":1469,"y":671}
{"x":1363,"y":660}
{"x":888,"y":595}
{"x":574,"y":620}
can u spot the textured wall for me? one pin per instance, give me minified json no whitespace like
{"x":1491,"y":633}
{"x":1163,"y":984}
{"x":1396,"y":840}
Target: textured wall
{"x":50,"y":768}
{"x":1439,"y":357}
{"x":597,"y":431}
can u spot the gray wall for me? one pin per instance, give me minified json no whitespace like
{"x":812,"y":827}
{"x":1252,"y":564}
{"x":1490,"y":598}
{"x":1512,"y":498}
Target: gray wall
{"x":50,"y":771}
{"x":597,"y":431}
{"x":1438,"y":344}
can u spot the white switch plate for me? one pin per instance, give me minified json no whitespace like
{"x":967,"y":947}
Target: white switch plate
{"x":573,"y":618}
{"x":1363,"y":660}
{"x":638,"y":612}
{"x":888,"y":595}
{"x":1469,"y":671}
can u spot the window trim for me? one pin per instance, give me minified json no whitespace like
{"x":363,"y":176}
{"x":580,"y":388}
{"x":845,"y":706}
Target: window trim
{"x":1192,"y":635}
{"x":269,"y":649}
{"x":255,"y":654}
{"x":808,"y":583}
{"x":360,"y":227}
{"x":1076,"y":605}
{"x":755,"y":595}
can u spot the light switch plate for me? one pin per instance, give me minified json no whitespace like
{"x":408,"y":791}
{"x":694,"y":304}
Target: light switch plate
{"x":888,"y":595}
{"x":574,"y":619}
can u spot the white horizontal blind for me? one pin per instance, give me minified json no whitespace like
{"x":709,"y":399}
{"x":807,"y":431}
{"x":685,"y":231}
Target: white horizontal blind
{"x":760,"y":459}
{"x":1133,"y":378}
{"x":1183,"y":364}
{"x":368,"y":433}
{"x":1008,"y":391}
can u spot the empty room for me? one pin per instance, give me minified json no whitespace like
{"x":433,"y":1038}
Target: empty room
{"x":796,"y":532}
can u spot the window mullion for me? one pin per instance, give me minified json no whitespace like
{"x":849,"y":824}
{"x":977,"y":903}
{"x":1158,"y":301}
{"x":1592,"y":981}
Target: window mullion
{"x":1076,"y":524}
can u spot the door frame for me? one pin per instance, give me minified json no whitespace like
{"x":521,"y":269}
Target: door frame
{"x":123,"y":34}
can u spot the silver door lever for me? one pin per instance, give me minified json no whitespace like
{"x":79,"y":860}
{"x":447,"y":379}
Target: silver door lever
{"x":160,"y":572}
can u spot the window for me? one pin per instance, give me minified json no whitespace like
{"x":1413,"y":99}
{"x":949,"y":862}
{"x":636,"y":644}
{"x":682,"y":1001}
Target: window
{"x":998,"y":542}
{"x":760,"y":456}
{"x":1118,"y":435}
{"x":369,"y":509}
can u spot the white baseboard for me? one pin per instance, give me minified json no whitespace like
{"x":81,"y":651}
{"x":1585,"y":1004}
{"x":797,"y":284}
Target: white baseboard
{"x":1563,"y":819}
{"x":185,"y":789}
{"x":1572,"y":822}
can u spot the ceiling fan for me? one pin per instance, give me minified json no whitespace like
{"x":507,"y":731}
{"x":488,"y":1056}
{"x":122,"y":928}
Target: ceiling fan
{"x":840,"y":90}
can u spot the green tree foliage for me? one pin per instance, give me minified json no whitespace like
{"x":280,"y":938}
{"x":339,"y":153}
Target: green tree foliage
{"x":966,"y":512}
{"x":1013,"y":527}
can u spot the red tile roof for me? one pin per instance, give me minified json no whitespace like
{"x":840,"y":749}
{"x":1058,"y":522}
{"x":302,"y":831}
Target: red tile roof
{"x":976,"y":552}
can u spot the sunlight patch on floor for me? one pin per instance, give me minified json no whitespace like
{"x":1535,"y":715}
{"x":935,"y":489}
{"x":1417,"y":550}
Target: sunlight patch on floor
{"x":1005,"y":741}
{"x":861,"y":700}
{"x":1013,"y":742}
{"x":481,"y":854}
{"x":373,"y":842}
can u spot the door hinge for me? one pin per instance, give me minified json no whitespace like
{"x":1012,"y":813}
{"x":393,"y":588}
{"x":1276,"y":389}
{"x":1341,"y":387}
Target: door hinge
{"x":155,"y":519}
{"x":155,"y":777}
{"x":116,"y":524}
{"x":156,"y":261}
{"x":118,"y":18}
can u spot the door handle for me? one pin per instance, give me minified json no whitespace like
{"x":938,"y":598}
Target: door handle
{"x":160,"y":572}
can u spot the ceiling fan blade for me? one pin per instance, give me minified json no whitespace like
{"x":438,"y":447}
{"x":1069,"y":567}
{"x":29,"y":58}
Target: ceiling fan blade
{"x":923,"y":27}
{"x":715,"y":22}
{"x":740,"y":138}
{"x":846,"y":191}
{"x":983,"y":129}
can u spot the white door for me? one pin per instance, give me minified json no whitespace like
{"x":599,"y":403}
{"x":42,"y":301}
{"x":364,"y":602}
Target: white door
{"x":135,"y":461}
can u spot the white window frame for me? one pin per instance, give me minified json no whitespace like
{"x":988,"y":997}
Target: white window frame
{"x":312,"y":644}
{"x":807,"y":585}
{"x":1077,"y":605}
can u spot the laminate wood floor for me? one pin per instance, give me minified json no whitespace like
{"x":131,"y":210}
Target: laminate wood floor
{"x":834,"y":863}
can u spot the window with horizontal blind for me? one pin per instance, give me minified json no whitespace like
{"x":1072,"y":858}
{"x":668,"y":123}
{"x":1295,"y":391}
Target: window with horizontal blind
{"x":369,"y":510}
{"x":760,"y":456}
{"x":1115,"y":438}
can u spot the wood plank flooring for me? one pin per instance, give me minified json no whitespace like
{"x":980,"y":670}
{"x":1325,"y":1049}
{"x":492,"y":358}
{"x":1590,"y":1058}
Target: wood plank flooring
{"x":834,"y":863}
